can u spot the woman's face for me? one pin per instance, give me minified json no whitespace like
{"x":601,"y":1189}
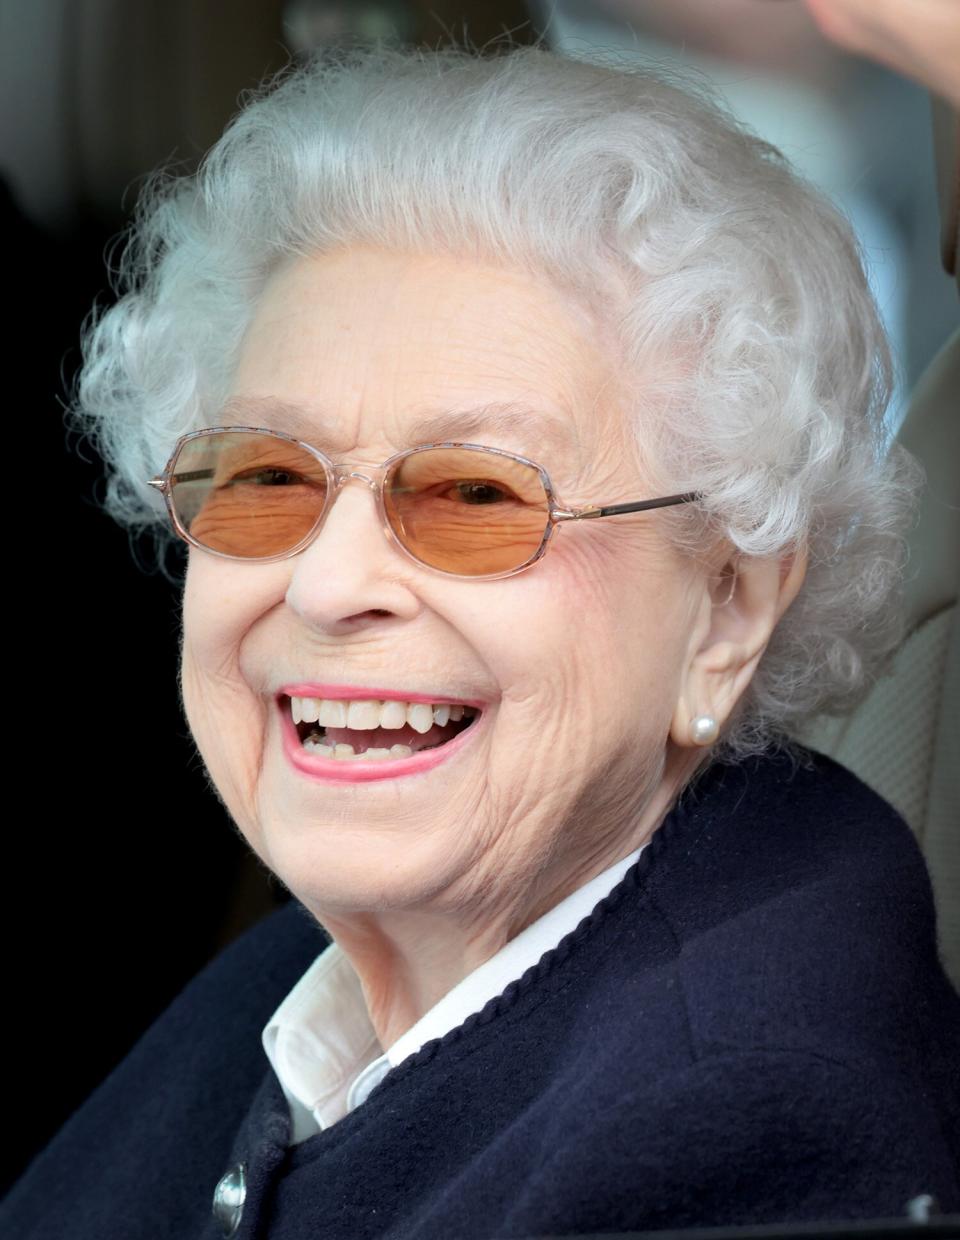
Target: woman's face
{"x":578,"y":661}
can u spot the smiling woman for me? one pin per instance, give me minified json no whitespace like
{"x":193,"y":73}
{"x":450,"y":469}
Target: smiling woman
{"x":522,"y":420}
{"x":361,"y":328}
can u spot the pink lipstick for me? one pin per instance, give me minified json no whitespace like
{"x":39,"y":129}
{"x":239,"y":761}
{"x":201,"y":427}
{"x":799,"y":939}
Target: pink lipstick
{"x":355,"y":771}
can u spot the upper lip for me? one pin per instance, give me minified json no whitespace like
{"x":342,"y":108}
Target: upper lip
{"x":314,"y":689}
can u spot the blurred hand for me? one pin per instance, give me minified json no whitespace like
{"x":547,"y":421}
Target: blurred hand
{"x":920,"y":38}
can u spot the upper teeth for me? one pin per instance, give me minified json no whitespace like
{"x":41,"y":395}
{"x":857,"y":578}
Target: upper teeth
{"x":340,"y":713}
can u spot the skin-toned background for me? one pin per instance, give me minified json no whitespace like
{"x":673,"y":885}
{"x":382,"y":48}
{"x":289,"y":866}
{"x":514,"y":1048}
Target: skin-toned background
{"x":919,"y":38}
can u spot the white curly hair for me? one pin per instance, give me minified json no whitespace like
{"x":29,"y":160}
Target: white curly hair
{"x":732,"y":286}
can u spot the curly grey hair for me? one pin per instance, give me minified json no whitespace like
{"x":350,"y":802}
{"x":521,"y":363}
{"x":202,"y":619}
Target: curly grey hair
{"x":734,"y":288}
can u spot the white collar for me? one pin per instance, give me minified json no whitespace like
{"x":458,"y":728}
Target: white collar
{"x":323,"y":1047}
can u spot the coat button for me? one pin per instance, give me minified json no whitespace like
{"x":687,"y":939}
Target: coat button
{"x":923,"y":1208}
{"x":228,"y":1198}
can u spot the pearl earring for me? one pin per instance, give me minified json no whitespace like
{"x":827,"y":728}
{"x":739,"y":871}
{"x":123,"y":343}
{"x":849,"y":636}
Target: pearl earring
{"x":704,"y":730}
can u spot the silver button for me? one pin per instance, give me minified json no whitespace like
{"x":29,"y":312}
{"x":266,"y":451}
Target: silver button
{"x":923,"y":1208}
{"x":228,"y":1198}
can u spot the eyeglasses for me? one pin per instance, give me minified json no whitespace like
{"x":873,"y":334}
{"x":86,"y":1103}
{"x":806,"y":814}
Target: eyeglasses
{"x":249,"y":493}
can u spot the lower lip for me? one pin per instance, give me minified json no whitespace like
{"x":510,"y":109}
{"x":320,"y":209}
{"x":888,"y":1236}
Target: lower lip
{"x":360,"y":771}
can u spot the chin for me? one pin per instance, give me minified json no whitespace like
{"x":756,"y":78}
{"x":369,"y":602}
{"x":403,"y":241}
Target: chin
{"x":340,"y":868}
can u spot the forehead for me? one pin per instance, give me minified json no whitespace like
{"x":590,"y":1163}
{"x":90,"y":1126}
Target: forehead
{"x":363,"y":346}
{"x":497,"y":420}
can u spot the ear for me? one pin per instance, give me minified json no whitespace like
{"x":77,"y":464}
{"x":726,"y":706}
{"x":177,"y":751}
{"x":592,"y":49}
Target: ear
{"x":737,"y":615}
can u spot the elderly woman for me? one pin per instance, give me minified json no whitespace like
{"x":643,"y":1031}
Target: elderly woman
{"x":522,"y":420}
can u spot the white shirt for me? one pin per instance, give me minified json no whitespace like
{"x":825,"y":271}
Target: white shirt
{"x":323,"y":1047}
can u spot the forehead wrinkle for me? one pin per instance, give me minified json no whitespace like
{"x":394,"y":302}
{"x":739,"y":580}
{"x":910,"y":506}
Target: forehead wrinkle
{"x":530,"y":429}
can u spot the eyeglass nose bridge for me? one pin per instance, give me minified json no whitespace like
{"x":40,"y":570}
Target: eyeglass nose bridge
{"x":343,"y":473}
{"x":376,"y":479}
{"x":340,"y":473}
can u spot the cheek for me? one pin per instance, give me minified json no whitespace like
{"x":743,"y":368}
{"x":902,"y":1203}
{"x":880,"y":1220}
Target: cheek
{"x":219,"y":610}
{"x":228,"y":727}
{"x":614,"y":622}
{"x":622,"y":574}
{"x":222,"y":601}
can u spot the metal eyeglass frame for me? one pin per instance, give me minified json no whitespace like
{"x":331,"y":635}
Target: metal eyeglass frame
{"x":338,"y":474}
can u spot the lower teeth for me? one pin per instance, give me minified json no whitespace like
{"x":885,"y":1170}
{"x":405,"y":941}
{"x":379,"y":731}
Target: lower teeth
{"x":343,"y":752}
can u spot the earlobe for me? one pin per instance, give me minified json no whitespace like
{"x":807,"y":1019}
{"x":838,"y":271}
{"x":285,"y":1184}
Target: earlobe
{"x":736,"y":622}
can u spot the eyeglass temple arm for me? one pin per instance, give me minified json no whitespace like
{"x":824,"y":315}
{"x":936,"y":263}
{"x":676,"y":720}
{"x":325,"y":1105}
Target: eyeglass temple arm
{"x":613,"y":510}
{"x":190,"y":475}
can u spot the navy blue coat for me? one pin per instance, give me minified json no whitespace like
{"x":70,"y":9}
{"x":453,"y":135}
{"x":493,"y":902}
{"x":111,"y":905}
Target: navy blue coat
{"x":753,"y":1026}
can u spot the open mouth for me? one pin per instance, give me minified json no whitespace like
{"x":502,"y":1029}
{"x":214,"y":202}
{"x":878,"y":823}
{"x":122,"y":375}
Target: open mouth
{"x":419,"y":730}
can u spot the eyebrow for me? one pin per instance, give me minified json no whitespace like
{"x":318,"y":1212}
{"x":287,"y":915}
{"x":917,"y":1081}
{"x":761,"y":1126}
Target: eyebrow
{"x":515,"y":419}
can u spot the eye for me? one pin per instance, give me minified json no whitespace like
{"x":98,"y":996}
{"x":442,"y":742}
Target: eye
{"x":267,"y":477}
{"x":478,"y":492}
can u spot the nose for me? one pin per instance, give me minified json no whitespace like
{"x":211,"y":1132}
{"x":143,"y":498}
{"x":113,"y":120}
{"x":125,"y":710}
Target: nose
{"x":351,"y":575}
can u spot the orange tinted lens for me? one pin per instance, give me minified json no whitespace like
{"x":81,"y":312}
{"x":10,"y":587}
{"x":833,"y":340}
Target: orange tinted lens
{"x":247,"y":494}
{"x":467,"y":511}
